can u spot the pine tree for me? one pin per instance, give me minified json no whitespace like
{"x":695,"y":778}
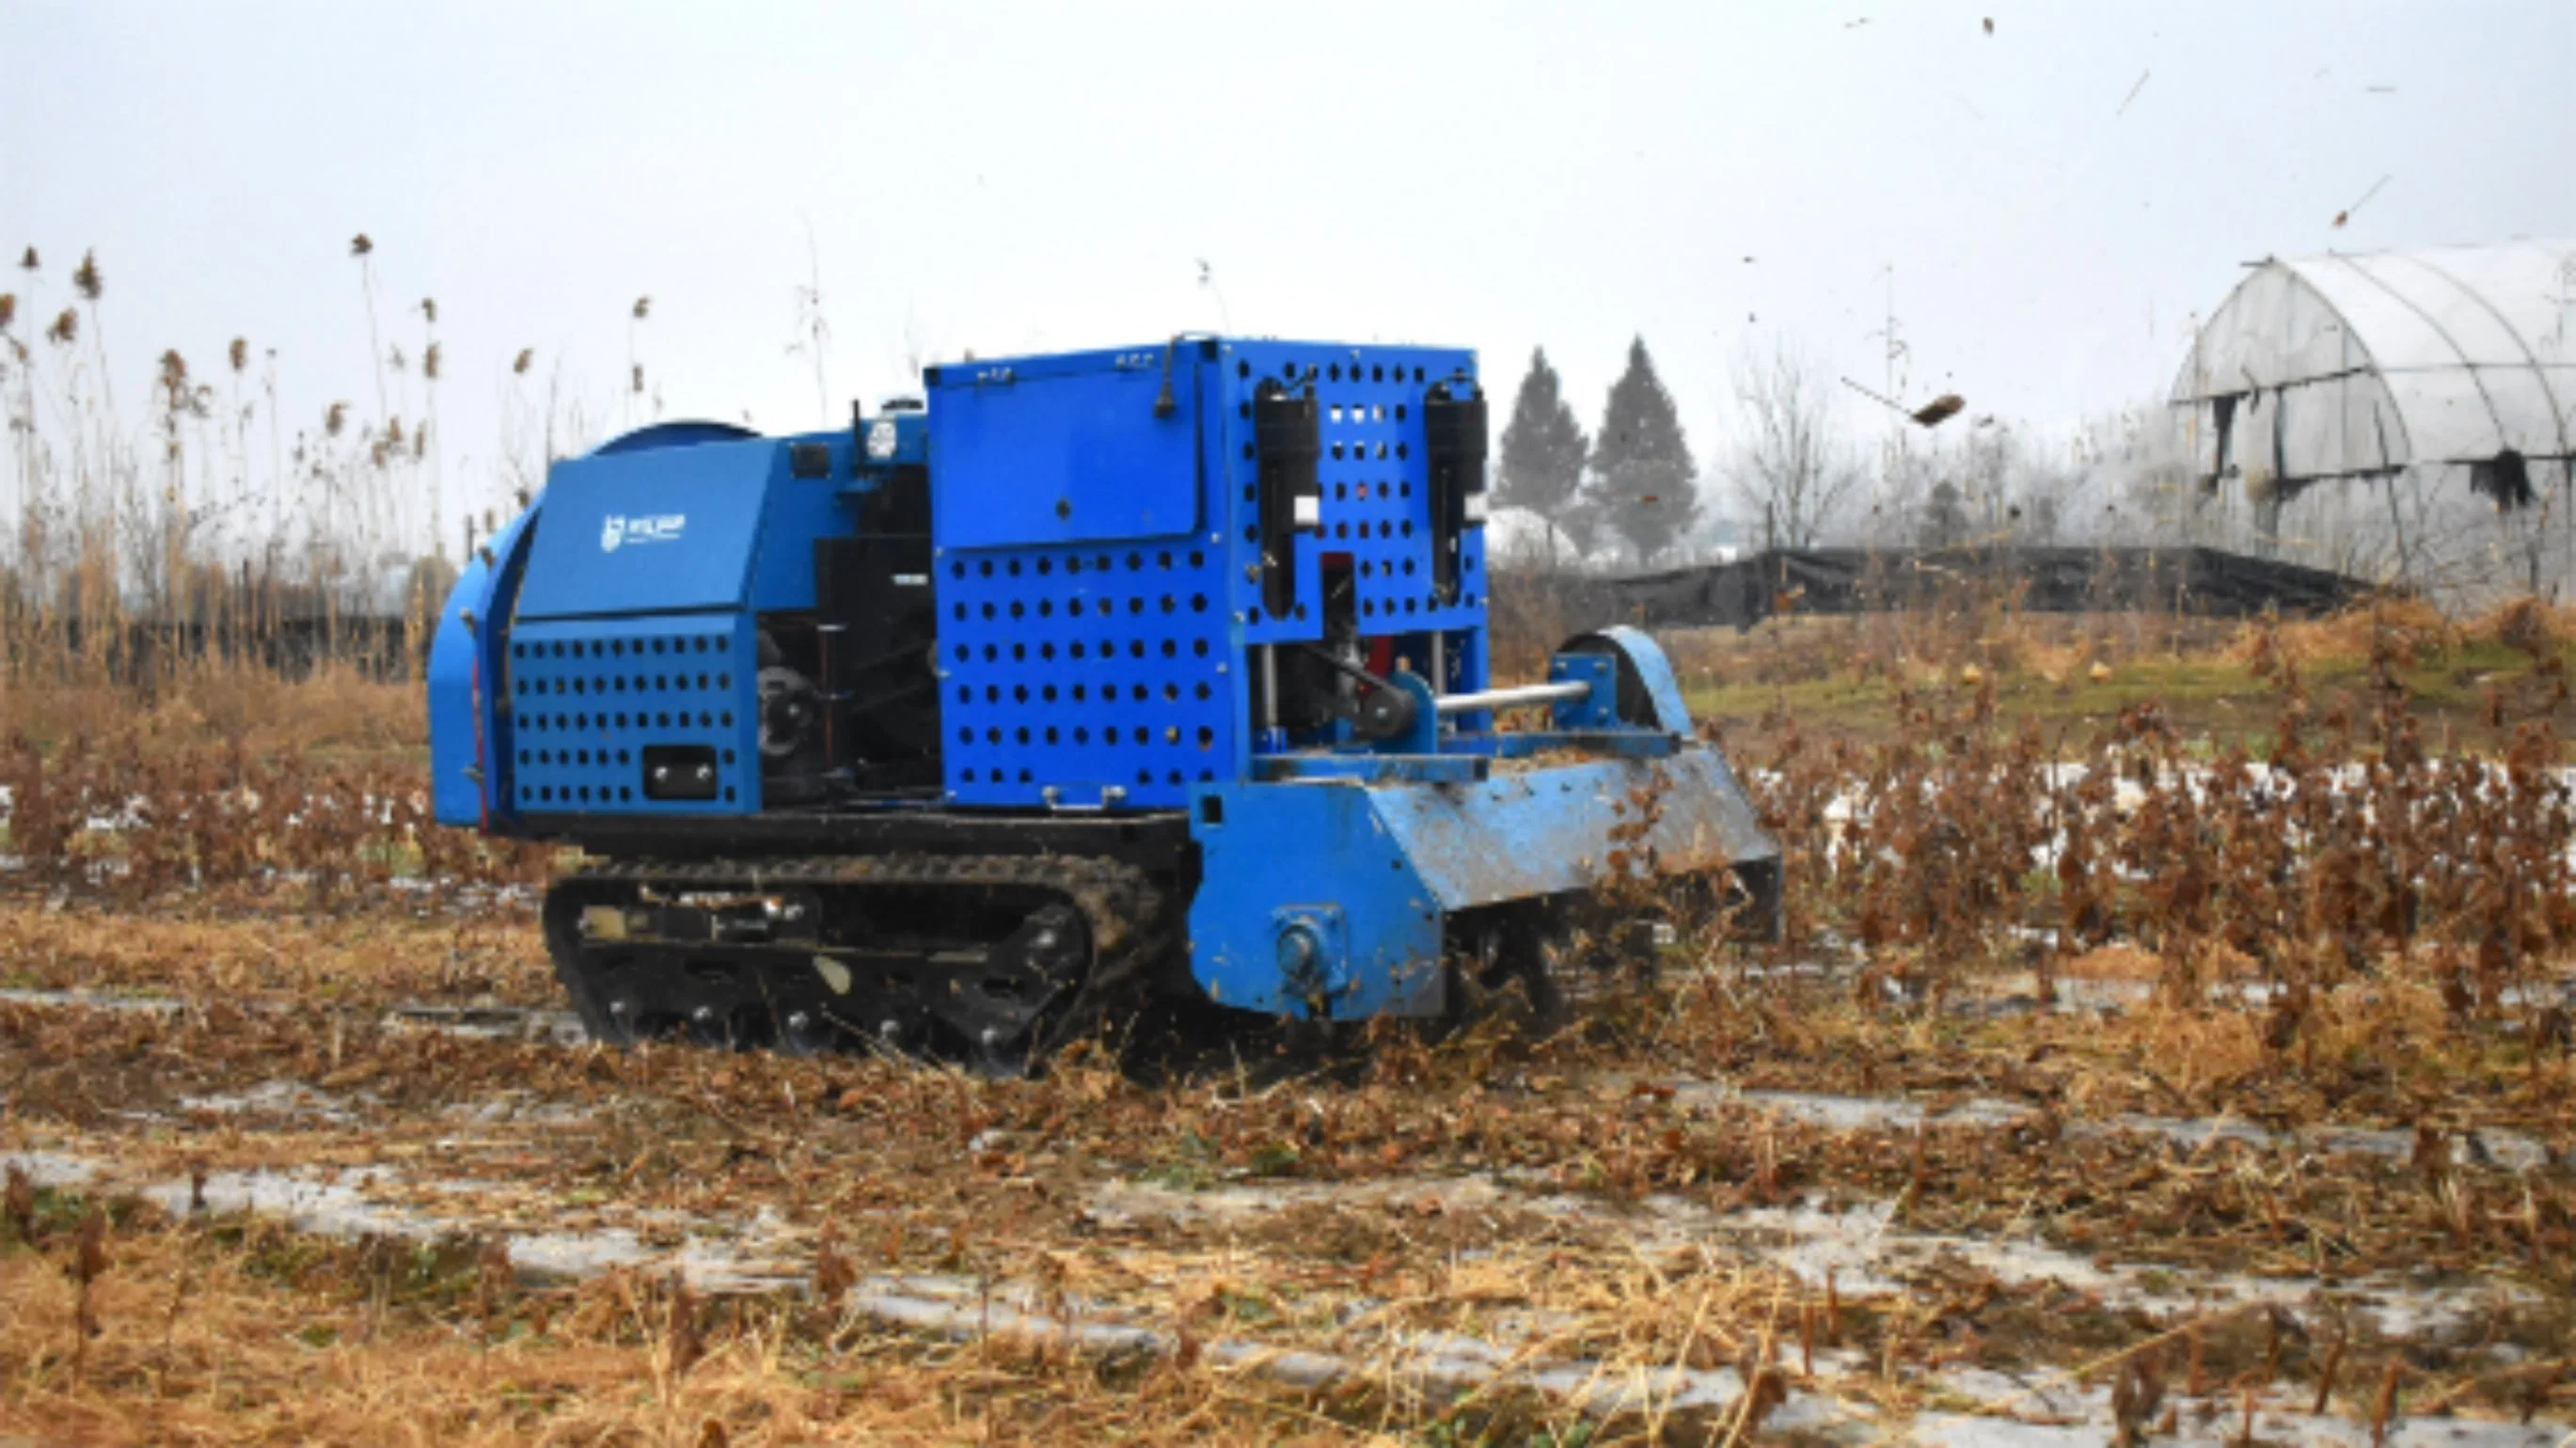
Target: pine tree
{"x":1543,"y":455}
{"x":1644,"y":483}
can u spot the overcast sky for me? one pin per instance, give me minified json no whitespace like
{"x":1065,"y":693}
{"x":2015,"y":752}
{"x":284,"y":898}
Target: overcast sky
{"x":2052,"y":200}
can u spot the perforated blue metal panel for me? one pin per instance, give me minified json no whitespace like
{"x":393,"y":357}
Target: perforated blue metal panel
{"x":587,"y":698}
{"x":1120,"y":664}
{"x":1376,"y":503}
{"x":1087,"y":670}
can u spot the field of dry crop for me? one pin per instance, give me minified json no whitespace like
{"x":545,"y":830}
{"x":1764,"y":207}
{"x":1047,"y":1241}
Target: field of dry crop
{"x":2122,"y":1076}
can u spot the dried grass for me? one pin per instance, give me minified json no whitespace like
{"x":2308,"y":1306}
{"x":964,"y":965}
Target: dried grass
{"x":2406,"y":629}
{"x":335,"y":710}
{"x":134,"y":814}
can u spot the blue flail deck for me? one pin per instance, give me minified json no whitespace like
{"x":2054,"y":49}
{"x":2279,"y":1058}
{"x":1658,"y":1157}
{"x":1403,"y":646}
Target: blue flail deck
{"x":1385,"y":862}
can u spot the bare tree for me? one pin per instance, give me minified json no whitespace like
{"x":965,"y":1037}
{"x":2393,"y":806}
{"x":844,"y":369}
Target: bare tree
{"x":1792,"y":463}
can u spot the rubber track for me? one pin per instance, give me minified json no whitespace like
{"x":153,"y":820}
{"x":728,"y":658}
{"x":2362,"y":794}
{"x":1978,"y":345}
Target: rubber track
{"x":1118,"y":902}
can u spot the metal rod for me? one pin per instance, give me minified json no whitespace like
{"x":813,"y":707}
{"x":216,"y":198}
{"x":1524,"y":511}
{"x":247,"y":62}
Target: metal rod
{"x":1439,"y":661}
{"x":1510,"y":698}
{"x":1269,"y":686}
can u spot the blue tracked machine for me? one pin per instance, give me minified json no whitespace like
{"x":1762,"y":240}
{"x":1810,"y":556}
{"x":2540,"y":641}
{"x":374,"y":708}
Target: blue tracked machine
{"x":1079,"y":681}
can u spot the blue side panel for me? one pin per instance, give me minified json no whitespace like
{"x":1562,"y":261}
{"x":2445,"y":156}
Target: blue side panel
{"x":1079,"y":674}
{"x":466,"y":736}
{"x":655,"y":531}
{"x":1086,"y":670}
{"x":589,"y":697}
{"x":1317,"y":855}
{"x":1109,"y":671}
{"x":1064,"y":454}
{"x":1375,"y":480}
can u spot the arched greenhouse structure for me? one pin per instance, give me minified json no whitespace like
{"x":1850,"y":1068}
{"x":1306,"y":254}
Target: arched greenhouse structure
{"x":2404,"y":415}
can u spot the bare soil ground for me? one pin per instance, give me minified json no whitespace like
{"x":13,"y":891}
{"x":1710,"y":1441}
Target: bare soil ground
{"x":315,"y":1217}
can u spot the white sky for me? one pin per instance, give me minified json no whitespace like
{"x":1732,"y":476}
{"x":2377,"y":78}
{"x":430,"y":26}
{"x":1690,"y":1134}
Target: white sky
{"x":1008,"y":177}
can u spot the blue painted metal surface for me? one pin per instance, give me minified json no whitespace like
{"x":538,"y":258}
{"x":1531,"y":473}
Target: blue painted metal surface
{"x":1112,"y":672}
{"x":634,"y":627}
{"x":588,"y":697}
{"x":1400,"y":857}
{"x":795,"y":512}
{"x":1279,"y":851}
{"x":1596,"y":710}
{"x":468,"y":738}
{"x":1029,"y":457}
{"x":677,"y":528}
{"x":1104,"y":674}
{"x":664,"y":530}
{"x":1546,"y":829}
{"x":1653,"y":669}
{"x":1626,"y":743}
{"x":1376,"y":505}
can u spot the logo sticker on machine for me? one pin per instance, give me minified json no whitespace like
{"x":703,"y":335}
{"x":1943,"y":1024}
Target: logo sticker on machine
{"x":616,"y":532}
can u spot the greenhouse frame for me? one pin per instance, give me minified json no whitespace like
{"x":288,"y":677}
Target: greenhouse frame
{"x":2401,"y":415}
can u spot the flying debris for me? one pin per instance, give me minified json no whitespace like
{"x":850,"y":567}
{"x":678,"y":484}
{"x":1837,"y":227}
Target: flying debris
{"x":1931,"y":414}
{"x":1990,"y":25}
{"x":1856,"y":24}
{"x":2346,"y":214}
{"x":2133,"y":92}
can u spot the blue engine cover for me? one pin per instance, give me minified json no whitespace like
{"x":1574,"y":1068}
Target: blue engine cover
{"x":680,"y":529}
{"x":627,"y":600}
